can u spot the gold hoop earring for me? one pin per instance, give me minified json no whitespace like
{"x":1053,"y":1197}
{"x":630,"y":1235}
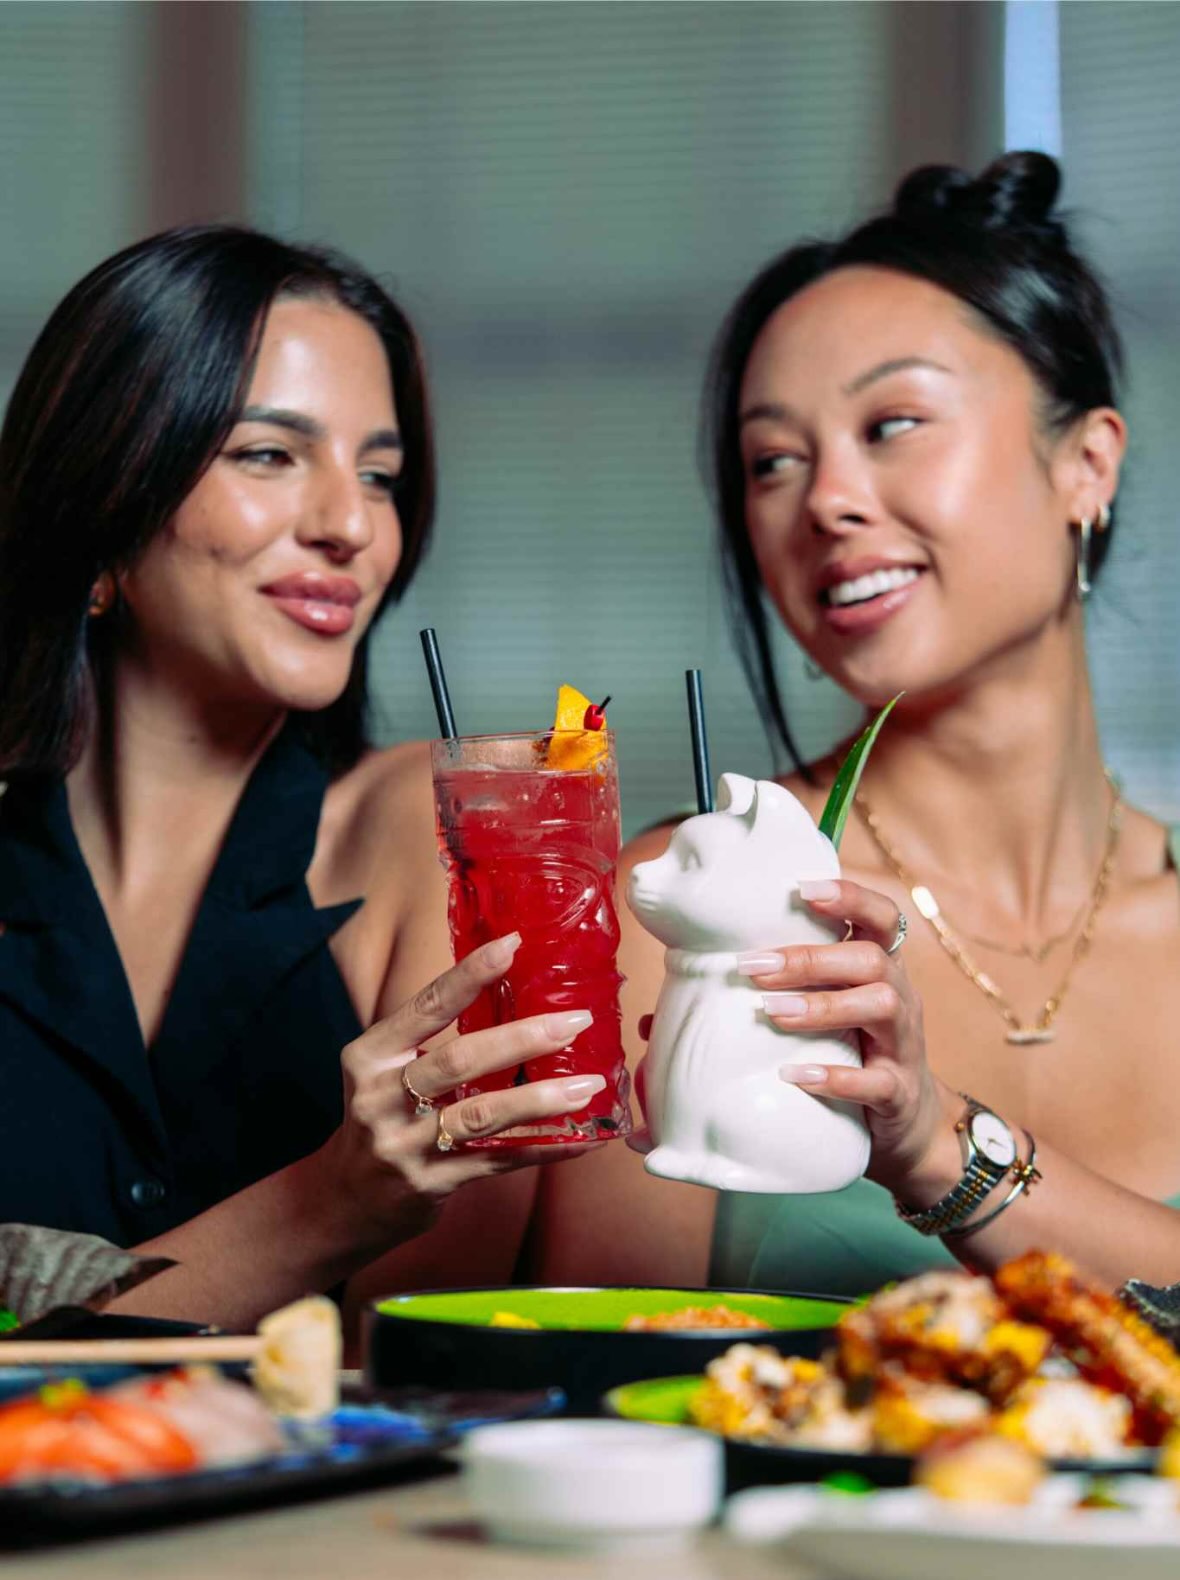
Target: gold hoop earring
{"x":1085,"y":541}
{"x":102,"y":596}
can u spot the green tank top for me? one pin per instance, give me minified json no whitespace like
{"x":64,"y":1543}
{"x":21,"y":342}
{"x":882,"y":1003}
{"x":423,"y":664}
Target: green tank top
{"x":844,"y":1242}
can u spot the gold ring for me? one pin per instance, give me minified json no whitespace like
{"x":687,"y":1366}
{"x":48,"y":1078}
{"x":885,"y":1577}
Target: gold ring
{"x":444,"y":1140}
{"x":422,"y":1105}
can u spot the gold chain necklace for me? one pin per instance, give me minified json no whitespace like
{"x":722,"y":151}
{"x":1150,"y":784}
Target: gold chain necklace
{"x":1037,"y":953}
{"x":1041,"y":1029}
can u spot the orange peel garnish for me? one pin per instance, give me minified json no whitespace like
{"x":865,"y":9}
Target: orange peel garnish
{"x":571,"y":746}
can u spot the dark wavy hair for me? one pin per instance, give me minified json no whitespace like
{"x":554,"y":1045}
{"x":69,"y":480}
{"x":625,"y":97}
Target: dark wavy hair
{"x":126,"y":397}
{"x":995,"y":242}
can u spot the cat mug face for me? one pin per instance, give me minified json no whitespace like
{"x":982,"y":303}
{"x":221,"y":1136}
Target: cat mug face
{"x":728,"y":879}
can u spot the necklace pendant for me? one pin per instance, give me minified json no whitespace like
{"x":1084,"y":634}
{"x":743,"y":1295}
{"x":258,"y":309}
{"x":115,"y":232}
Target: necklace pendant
{"x":1025,"y":1036}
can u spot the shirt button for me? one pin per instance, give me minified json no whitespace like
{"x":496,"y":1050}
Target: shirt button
{"x":147,"y":1193}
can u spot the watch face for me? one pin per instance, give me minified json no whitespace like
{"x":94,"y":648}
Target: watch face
{"x":993,"y":1138}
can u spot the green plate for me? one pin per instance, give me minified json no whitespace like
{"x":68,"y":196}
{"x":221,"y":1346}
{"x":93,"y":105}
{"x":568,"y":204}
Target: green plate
{"x":446,"y":1338}
{"x":606,"y":1310}
{"x":665,"y":1400}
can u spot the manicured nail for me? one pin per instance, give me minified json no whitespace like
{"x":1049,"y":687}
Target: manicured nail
{"x":819,"y":889}
{"x":568,"y":1024}
{"x":804,"y":1074}
{"x":579,"y":1089}
{"x":755,"y":965}
{"x":789,"y":1005}
{"x":498,"y":954}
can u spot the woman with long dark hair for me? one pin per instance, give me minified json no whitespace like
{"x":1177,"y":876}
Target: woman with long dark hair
{"x":914,"y":445}
{"x":216,"y":473}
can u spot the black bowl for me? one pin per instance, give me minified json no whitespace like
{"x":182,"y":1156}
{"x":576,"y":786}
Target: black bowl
{"x":448,"y":1339}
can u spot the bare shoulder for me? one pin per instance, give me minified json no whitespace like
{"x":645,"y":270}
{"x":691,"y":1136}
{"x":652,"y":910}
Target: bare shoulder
{"x":376,"y":834}
{"x":1147,"y":897}
{"x":1145,"y":841}
{"x":376,"y":841}
{"x":378,"y":803}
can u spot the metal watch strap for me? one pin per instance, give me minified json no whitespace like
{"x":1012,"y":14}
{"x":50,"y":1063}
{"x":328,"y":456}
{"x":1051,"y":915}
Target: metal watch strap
{"x":980,"y":1176}
{"x":1026,"y":1175}
{"x":958,"y":1203}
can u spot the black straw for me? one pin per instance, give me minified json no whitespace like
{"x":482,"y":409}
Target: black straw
{"x":438,"y":685}
{"x":700,"y":745}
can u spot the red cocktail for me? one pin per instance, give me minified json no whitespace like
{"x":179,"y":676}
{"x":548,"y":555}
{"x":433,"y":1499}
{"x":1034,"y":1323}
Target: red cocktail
{"x":532,"y":849}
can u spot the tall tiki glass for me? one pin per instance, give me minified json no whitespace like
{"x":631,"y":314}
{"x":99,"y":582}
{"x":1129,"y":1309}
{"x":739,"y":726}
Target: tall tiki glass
{"x":531,"y":848}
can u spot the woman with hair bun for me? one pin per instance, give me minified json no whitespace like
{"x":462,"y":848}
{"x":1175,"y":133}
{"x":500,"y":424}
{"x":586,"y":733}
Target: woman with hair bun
{"x":216,"y":473}
{"x":914,"y":447}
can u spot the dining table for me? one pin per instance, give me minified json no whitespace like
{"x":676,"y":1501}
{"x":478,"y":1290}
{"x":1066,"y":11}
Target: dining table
{"x":422,"y":1528}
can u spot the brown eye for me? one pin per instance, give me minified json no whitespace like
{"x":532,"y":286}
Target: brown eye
{"x":763,"y":466}
{"x":384,"y":482}
{"x":892,"y":427}
{"x":267,"y":456}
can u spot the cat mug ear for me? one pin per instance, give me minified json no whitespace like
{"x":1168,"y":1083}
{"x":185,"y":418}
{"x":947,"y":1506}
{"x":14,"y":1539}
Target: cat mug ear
{"x":773,"y":803}
{"x":735,"y":793}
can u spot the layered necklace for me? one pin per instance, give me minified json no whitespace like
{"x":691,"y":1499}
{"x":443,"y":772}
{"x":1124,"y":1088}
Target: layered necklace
{"x":1041,"y":1028}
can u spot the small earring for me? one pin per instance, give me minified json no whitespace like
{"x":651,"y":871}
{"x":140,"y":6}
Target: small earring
{"x":1102,"y":519}
{"x":812,"y":670}
{"x":102,"y":596}
{"x":1085,"y":539}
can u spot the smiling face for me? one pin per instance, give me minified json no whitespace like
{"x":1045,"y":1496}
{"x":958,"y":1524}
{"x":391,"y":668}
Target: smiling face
{"x":259,"y":589}
{"x":908,"y":514}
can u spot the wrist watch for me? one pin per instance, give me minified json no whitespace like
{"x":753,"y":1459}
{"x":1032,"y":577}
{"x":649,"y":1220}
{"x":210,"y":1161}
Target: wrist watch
{"x":989,"y":1151}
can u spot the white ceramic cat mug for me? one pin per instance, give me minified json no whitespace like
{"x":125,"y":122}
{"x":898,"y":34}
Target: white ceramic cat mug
{"x":717,"y":1112}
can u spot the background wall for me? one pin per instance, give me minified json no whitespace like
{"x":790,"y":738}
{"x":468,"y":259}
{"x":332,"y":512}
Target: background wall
{"x":566,"y":197}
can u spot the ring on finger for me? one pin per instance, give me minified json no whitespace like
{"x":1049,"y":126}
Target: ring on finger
{"x":443,"y":1139}
{"x":903,"y":928}
{"x":422,"y":1105}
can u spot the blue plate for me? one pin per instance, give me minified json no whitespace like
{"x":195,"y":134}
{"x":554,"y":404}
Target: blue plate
{"x":356,"y":1446}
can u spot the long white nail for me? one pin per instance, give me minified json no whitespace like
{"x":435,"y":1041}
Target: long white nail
{"x":804,"y":1074}
{"x":498,"y":954}
{"x":755,"y":965}
{"x":819,"y":889}
{"x":579,"y":1089}
{"x":789,"y":1005}
{"x":568,"y":1023}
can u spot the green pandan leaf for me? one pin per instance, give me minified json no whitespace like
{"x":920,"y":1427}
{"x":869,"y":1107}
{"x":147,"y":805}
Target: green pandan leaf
{"x":843,"y":791}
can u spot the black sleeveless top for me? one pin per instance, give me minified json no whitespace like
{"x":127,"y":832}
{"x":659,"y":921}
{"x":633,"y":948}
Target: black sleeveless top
{"x":99,"y":1133}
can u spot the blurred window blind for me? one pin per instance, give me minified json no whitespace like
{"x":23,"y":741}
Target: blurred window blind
{"x":71,"y":131}
{"x":566,"y":198}
{"x":1121,"y":114}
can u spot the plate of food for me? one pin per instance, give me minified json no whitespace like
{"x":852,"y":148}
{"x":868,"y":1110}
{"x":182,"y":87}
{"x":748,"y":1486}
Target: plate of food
{"x":91,"y":1447}
{"x":76,"y":1459}
{"x":1062,"y":1528}
{"x":582,"y":1340}
{"x":1037,"y":1357}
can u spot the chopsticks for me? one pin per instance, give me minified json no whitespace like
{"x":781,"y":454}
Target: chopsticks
{"x":130,"y":1352}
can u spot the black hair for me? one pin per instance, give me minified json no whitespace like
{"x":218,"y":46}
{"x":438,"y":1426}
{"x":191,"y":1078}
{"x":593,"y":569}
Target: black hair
{"x":996,"y":243}
{"x":124,"y":401}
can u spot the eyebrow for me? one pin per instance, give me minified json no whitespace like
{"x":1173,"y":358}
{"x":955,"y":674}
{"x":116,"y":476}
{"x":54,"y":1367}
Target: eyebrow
{"x":894,"y":365}
{"x":308,"y":427}
{"x":776,"y":411}
{"x":770,"y":411}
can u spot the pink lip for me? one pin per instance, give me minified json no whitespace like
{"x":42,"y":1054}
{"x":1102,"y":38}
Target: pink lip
{"x":319,"y":603}
{"x":863,"y":617}
{"x":849,"y":570}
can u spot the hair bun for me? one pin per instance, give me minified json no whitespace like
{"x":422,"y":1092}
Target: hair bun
{"x":1016,"y":191}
